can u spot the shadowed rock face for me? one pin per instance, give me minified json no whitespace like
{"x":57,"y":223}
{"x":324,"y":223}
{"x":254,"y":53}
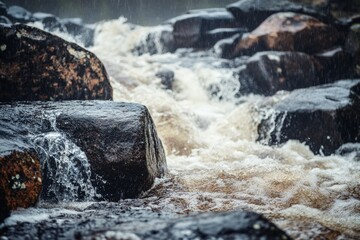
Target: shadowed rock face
{"x":268,"y":72}
{"x":119,"y":140}
{"x":203,"y":28}
{"x":288,"y":32}
{"x":324,"y":117}
{"x":36,"y":65}
{"x":20,"y":179}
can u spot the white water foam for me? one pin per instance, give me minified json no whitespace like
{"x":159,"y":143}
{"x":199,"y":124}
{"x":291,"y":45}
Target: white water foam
{"x":211,"y":147}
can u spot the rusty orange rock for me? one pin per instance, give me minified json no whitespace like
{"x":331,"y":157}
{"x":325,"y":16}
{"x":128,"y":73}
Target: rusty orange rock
{"x":288,"y":32}
{"x":20,"y":180}
{"x":36,"y":65}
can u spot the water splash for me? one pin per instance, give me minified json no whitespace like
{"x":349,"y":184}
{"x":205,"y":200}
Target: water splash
{"x":65,"y":167}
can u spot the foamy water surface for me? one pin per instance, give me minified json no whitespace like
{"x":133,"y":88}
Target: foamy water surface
{"x":212,"y":153}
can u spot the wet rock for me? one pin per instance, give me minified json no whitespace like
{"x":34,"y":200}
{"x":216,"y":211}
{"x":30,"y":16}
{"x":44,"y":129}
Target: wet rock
{"x":50,"y":21}
{"x":21,"y":180}
{"x":167,"y":78}
{"x":352,"y":47}
{"x":76,"y":28}
{"x":160,"y":40}
{"x":288,"y":32}
{"x":268,"y":72}
{"x":19,"y":14}
{"x":336,"y":64}
{"x":4,"y":210}
{"x":251,"y":13}
{"x":192,"y":29}
{"x":4,"y":20}
{"x":36,"y":65}
{"x":119,"y":142}
{"x":231,"y":225}
{"x":324,"y":117}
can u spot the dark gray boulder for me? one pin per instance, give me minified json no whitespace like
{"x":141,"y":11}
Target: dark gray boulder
{"x":36,"y":65}
{"x":192,"y":29}
{"x":266,"y":73}
{"x":251,"y":13}
{"x":324,"y":117}
{"x":107,"y":146}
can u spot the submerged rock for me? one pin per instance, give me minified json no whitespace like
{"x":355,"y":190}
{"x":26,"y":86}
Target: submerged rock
{"x":251,"y":13}
{"x":193,"y":29}
{"x":36,"y":65}
{"x":167,"y":78}
{"x":268,"y":72}
{"x":117,"y":140}
{"x":324,"y":117}
{"x":20,"y":181}
{"x":288,"y":32}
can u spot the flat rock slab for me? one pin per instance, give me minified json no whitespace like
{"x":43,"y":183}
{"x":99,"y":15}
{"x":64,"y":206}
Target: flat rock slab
{"x":117,"y":140}
{"x":324,"y":117}
{"x":36,"y":65}
{"x":127,"y":222}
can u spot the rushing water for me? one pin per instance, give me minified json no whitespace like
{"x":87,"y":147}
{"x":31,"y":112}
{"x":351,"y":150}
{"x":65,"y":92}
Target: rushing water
{"x":214,"y":161}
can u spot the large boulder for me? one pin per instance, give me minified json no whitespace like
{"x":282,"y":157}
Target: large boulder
{"x":266,"y":73}
{"x":194,"y":28}
{"x":36,"y":65}
{"x":288,"y":32}
{"x":21,"y":180}
{"x":251,"y":13}
{"x":107,"y":147}
{"x":324,"y":117}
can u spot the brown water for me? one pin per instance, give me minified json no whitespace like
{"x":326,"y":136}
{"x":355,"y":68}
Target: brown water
{"x":211,"y":149}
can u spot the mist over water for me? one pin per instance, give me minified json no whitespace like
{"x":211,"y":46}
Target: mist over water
{"x":143,"y":12}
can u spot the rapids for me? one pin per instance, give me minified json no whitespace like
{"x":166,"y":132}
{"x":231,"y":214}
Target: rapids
{"x":214,"y":161}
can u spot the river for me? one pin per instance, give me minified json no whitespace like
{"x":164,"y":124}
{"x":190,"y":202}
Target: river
{"x":214,"y":161}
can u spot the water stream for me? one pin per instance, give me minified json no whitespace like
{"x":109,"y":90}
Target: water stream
{"x":214,"y":161}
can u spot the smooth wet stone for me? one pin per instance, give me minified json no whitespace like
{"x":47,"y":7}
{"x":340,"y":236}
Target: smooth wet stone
{"x":288,"y":32}
{"x":19,"y":14}
{"x":36,"y":65}
{"x":158,"y":41}
{"x":323,"y":117}
{"x":129,"y":222}
{"x":352,"y":46}
{"x":192,"y":30}
{"x":266,"y":73}
{"x":252,"y":13}
{"x":336,"y":64}
{"x":20,"y":179}
{"x":119,"y":141}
